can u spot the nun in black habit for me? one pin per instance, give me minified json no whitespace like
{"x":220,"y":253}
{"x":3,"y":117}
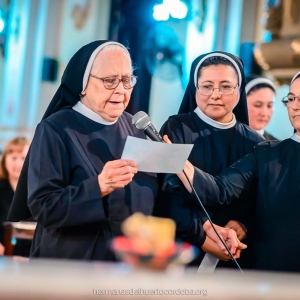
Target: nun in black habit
{"x":79,"y":190}
{"x":213,"y":116}
{"x":273,"y":167}
{"x":260,"y":99}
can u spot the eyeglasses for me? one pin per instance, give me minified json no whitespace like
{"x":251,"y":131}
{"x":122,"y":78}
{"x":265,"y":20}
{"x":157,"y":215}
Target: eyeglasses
{"x":288,"y":100}
{"x":111,"y":83}
{"x":224,"y":89}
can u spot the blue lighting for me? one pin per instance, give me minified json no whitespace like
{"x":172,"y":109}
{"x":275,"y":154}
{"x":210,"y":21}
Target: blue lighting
{"x":2,"y":21}
{"x":176,"y":8}
{"x":2,"y":24}
{"x":161,"y":12}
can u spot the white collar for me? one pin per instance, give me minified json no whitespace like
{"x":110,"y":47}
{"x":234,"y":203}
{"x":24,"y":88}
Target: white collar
{"x":295,"y":137}
{"x":212,"y":122}
{"x":260,"y":131}
{"x":82,"y":109}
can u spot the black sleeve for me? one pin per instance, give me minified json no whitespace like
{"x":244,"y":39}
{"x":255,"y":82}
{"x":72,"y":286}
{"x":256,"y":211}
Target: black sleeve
{"x":230,"y":185}
{"x":52,"y":201}
{"x":172,"y":200}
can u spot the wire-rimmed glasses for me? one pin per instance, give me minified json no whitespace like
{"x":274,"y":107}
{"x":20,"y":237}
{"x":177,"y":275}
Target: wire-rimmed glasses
{"x":112,"y":82}
{"x":224,"y":89}
{"x":289,"y":99}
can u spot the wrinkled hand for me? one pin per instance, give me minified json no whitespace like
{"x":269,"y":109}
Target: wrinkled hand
{"x":116,"y":174}
{"x":226,"y":234}
{"x":238,"y":228}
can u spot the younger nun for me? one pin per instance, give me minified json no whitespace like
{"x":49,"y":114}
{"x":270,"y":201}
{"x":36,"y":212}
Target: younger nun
{"x":260,"y":99}
{"x":213,"y":116}
{"x":272,"y":167}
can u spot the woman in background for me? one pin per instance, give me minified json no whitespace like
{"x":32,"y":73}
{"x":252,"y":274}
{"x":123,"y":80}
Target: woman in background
{"x":260,"y":98}
{"x":11,"y":163}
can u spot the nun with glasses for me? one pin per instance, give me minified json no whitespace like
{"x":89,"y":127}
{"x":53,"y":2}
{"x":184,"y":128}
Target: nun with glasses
{"x":213,"y":117}
{"x":272,"y":168}
{"x":78,"y":190}
{"x":73,"y":183}
{"x":260,"y":99}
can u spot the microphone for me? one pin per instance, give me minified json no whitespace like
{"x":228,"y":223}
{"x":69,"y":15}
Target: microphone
{"x":142,"y":122}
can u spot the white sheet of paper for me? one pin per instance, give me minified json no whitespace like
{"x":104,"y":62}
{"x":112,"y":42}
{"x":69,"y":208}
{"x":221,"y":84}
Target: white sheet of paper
{"x":208,"y":264}
{"x":156,"y":157}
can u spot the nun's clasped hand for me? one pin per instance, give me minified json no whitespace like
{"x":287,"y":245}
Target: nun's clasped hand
{"x":238,"y":227}
{"x":227,"y":235}
{"x":116,"y":174}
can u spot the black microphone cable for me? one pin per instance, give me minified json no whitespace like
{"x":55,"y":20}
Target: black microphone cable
{"x":210,"y":221}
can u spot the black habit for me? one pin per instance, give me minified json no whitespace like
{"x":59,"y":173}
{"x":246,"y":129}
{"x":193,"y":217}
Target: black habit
{"x":59,"y":179}
{"x":269,"y":137}
{"x":214,"y":150}
{"x":64,"y":195}
{"x":274,"y":168}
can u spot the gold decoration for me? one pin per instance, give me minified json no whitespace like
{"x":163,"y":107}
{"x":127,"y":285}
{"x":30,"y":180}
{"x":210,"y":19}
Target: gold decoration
{"x":80,"y":14}
{"x":150,"y":233}
{"x":280,"y":57}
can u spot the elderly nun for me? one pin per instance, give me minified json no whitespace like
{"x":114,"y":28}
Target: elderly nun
{"x":78,"y":190}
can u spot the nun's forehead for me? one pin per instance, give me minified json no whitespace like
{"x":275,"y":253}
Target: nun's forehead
{"x":217,"y":55}
{"x":92,"y":58}
{"x":101,"y":56}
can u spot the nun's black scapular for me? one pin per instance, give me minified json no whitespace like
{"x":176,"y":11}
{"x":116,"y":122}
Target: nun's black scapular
{"x":216,"y":146}
{"x":269,"y":137}
{"x":68,"y":151}
{"x":274,"y":168}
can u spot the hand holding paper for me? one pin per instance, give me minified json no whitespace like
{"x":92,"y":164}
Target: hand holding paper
{"x":156,"y":157}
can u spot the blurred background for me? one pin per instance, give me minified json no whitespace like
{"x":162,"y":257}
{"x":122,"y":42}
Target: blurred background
{"x":38,"y":37}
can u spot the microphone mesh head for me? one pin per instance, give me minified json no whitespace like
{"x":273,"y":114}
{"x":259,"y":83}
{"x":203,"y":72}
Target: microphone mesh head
{"x":141,"y":120}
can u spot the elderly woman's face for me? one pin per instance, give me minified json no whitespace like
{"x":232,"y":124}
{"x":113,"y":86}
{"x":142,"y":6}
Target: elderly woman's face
{"x":109,"y":104}
{"x":260,"y":107}
{"x":294,"y":107}
{"x":217,"y":106}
